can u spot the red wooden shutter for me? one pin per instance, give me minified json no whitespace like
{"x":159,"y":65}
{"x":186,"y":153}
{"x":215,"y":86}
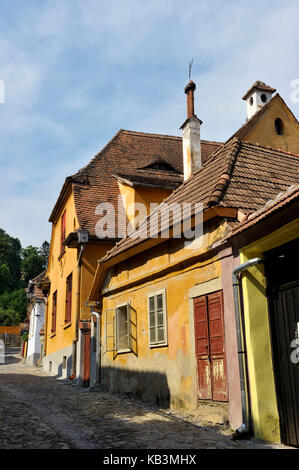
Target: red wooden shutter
{"x":202,"y":347}
{"x":54,"y":307}
{"x":68,"y":299}
{"x":217,"y":355}
{"x":209,"y":347}
{"x":63,"y":228}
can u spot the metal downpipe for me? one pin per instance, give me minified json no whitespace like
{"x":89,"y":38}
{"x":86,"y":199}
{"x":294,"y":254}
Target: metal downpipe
{"x":75,"y":340}
{"x":245,"y":428}
{"x":98,"y":349}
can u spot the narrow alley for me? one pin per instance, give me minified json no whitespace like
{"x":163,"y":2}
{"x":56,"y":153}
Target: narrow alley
{"x":39,"y":412}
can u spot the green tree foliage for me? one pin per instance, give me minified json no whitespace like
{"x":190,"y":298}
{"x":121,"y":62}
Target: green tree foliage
{"x":13,"y":307}
{"x":10,"y":262}
{"x":17,"y":266}
{"x":34,"y":261}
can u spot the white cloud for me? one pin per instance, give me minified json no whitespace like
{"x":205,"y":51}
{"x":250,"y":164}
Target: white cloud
{"x":77,"y":71}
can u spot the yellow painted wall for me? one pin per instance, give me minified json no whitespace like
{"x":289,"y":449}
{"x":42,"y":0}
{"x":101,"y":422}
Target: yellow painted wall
{"x":264,"y":131}
{"x":175,"y":363}
{"x":92,"y":254}
{"x":58,"y":270}
{"x":143,"y":195}
{"x":262,"y":386}
{"x":60,"y":266}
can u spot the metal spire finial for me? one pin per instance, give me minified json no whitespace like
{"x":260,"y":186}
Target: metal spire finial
{"x":190,"y":67}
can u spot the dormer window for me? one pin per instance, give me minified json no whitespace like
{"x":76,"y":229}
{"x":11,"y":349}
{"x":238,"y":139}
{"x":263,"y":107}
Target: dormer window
{"x":161,"y":166}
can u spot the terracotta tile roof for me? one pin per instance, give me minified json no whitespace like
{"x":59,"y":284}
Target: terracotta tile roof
{"x":37,"y":292}
{"x":274,"y":205}
{"x":128,"y":153}
{"x":156,"y":178}
{"x":261,"y":86}
{"x":239,"y":175}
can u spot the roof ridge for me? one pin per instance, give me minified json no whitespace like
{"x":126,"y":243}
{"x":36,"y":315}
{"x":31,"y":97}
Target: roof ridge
{"x":224,"y":180}
{"x":151,"y":134}
{"x":167,"y":136}
{"x":211,"y":142}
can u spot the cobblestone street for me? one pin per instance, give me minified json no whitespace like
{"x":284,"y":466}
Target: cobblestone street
{"x":38,"y":411}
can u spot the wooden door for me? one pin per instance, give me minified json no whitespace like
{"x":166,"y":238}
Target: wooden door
{"x":209,"y":347}
{"x":202,"y":347}
{"x":281,"y":268}
{"x":86,"y":368}
{"x":285,"y":318}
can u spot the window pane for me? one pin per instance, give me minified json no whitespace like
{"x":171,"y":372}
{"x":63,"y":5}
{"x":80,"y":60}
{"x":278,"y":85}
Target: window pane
{"x":152,"y":318}
{"x":160,"y":333}
{"x":160,"y":318}
{"x":159,"y":301}
{"x":122,"y":328}
{"x":152,"y":335}
{"x":152,"y":304}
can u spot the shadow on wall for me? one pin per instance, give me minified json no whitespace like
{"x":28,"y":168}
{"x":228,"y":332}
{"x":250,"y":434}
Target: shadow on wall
{"x":64,"y":368}
{"x":151,"y":387}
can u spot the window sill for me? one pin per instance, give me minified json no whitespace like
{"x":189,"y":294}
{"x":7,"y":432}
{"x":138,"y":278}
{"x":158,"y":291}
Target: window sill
{"x":158,"y":345}
{"x":67,"y":325}
{"x":53,"y":334}
{"x":61,"y":254}
{"x":123,"y":351}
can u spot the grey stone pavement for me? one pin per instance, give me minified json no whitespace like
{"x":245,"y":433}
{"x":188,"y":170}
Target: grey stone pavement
{"x":38,"y":411}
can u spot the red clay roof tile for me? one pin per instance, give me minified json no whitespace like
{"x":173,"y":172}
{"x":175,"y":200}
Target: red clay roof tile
{"x":239,"y":175}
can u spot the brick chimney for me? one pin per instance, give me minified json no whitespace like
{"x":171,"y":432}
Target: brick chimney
{"x":191,"y":135}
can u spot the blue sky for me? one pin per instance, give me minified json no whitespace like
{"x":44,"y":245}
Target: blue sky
{"x":76,"y":71}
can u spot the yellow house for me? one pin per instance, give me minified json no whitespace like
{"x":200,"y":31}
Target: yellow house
{"x":270,"y":308}
{"x":168,"y":330}
{"x":133,"y":167}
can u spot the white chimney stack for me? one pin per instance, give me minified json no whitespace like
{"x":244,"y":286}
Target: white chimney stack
{"x":257,"y":96}
{"x":191,"y":135}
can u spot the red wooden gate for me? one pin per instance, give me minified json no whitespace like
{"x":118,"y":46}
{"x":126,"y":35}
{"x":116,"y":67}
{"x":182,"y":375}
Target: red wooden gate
{"x":209,"y":347}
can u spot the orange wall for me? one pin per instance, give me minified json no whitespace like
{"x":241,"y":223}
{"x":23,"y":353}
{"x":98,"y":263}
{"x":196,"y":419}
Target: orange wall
{"x":264,"y":132}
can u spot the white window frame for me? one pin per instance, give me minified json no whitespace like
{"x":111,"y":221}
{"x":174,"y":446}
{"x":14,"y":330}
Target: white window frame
{"x":128,"y":349}
{"x":157,"y":344}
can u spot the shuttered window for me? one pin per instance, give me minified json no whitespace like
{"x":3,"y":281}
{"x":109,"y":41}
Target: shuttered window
{"x":54,"y":310}
{"x":157,"y":319}
{"x":63,"y":231}
{"x":68,"y":299}
{"x":121,"y":329}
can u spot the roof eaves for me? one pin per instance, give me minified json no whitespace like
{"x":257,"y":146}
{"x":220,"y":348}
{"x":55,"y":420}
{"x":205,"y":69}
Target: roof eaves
{"x":61,"y":196}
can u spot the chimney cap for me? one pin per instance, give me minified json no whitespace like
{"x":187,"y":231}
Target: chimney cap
{"x":190,"y":86}
{"x":260,"y":86}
